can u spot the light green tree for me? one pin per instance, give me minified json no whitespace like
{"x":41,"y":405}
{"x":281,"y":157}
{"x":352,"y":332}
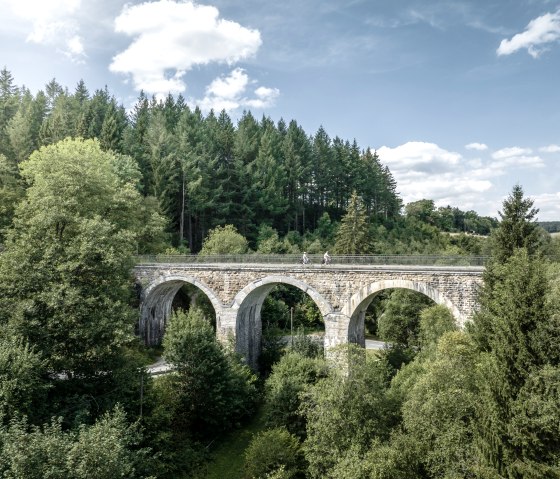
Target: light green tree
{"x":23,"y":379}
{"x":215,"y":390}
{"x":65,"y":283}
{"x":224,"y":240}
{"x":105,"y":450}
{"x":291,"y":376}
{"x":347,"y":412}
{"x":272,"y":450}
{"x":400,"y":320}
{"x":439,"y":411}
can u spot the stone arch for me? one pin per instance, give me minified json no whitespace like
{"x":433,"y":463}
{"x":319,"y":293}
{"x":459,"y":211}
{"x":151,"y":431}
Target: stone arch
{"x":157,"y":298}
{"x":356,"y":308}
{"x":248,"y":303}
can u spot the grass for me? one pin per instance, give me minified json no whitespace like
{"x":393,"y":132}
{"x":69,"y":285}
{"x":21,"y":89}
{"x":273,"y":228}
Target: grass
{"x":227,"y":460}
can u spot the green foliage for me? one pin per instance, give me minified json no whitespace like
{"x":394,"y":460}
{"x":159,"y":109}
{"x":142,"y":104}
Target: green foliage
{"x":513,"y":331}
{"x":518,"y":227}
{"x":272,"y":450}
{"x":65,"y":273}
{"x":535,"y":425}
{"x":23,"y":383}
{"x":215,"y":390}
{"x":434,"y":322}
{"x":399,"y":322}
{"x":203,"y":170}
{"x":516,"y":332}
{"x":269,"y":242}
{"x":224,"y":240}
{"x":439,"y":410}
{"x":11,"y":193}
{"x":306,"y":345}
{"x":422,"y":210}
{"x":344,"y":412}
{"x":353,"y":236}
{"x":291,"y":376}
{"x":175,"y":451}
{"x":104,"y":450}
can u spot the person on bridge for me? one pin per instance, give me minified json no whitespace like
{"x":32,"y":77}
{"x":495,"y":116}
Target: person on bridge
{"x":326,"y":258}
{"x":305,"y":258}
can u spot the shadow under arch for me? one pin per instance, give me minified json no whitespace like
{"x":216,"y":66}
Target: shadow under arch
{"x":157,"y":299}
{"x":356,"y":308}
{"x":248,"y":304}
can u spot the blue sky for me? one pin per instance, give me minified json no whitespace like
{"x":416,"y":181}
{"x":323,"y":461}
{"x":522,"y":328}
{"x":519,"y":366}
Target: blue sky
{"x":461,"y":99}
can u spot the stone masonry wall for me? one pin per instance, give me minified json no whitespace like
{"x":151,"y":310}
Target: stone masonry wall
{"x":339,"y":285}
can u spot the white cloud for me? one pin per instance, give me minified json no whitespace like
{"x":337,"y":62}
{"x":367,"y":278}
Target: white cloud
{"x":540,"y":31}
{"x":52,"y":23}
{"x":515,"y":156}
{"x":173,"y":37}
{"x":229,"y":87}
{"x":476,"y":146}
{"x":419,"y":156}
{"x":425,"y":170}
{"x":550,"y":149}
{"x":229,"y":93}
{"x":510,"y":152}
{"x":522,"y":161}
{"x":265,"y":97}
{"x":549,"y":206}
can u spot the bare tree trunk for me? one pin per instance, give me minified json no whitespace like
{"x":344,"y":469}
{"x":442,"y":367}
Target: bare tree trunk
{"x":182,"y":219}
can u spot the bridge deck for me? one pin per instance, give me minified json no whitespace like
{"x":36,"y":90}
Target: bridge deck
{"x":316,"y":267}
{"x":316,"y":259}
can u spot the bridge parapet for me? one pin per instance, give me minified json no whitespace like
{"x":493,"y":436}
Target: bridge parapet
{"x":355,"y":259}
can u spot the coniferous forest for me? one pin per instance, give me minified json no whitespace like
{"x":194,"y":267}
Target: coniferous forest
{"x":86,"y":186}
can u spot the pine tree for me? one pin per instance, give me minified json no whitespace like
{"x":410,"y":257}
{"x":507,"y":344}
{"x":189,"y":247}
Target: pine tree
{"x":353,"y":236}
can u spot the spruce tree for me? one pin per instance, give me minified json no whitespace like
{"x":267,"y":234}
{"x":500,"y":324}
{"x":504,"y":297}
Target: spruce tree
{"x":353,"y":236}
{"x":514,"y":333}
{"x":518,"y":228}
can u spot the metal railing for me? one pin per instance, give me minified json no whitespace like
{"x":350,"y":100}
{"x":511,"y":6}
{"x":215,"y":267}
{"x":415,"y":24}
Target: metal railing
{"x":316,"y":259}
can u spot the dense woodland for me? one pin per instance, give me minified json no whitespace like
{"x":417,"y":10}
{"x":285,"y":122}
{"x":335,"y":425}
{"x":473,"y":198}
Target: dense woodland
{"x":84,"y":187}
{"x":204,"y":171}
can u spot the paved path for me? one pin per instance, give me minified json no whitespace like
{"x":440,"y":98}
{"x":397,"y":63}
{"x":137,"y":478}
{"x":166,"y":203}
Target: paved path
{"x":374,"y":344}
{"x":161,"y":367}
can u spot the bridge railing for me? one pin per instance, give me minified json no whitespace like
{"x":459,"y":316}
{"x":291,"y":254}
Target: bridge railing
{"x":416,"y":260}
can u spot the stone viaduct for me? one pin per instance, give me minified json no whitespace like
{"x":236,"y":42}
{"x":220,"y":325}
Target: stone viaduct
{"x":341,"y":292}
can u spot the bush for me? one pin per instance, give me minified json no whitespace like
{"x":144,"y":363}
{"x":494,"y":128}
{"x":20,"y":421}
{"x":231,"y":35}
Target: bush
{"x":274,"y":452}
{"x":292,"y":375}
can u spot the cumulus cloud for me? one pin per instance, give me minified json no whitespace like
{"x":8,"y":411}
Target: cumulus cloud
{"x":230,"y":92}
{"x":476,"y":146}
{"x":51,"y":23}
{"x":516,"y":156}
{"x":550,"y":149}
{"x":549,"y":206}
{"x":426,"y":170}
{"x":510,"y":152}
{"x":538,"y":33}
{"x":419,"y":156}
{"x":265,"y":97}
{"x":170,"y":38}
